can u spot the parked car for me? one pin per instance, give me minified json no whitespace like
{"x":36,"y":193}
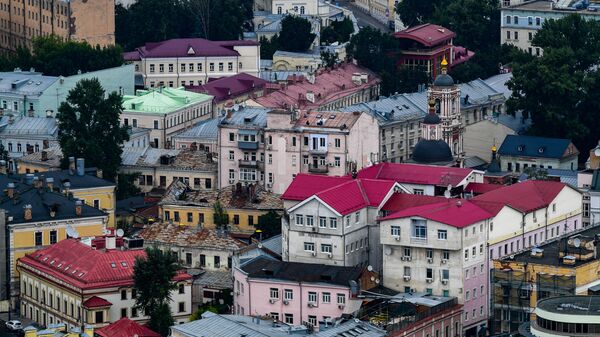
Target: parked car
{"x":14,"y":325}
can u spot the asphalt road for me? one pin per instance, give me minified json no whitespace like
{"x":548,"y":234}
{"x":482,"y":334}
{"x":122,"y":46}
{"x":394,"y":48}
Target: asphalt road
{"x":5,"y":332}
{"x":365,"y":19}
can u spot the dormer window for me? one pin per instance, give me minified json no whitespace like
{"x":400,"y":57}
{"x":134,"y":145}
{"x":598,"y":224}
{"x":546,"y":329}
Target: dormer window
{"x":191,"y":51}
{"x":541,"y":149}
{"x":520,"y":148}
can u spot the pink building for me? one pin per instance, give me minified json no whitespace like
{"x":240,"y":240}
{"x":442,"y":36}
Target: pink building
{"x":297,"y":293}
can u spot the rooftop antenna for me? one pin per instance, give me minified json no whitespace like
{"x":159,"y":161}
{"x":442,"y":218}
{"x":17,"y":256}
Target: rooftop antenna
{"x":447,"y":193}
{"x":120,"y":232}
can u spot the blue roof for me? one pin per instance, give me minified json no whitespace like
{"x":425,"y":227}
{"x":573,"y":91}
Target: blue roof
{"x":205,"y":130}
{"x":566,"y":176}
{"x":537,"y":147}
{"x":25,"y":83}
{"x":248,"y":118}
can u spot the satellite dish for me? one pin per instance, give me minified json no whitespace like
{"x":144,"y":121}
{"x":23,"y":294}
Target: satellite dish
{"x":387,"y":250}
{"x":577,"y":242}
{"x":377,"y":281}
{"x":370,"y":268}
{"x":260,"y":245}
{"x":71,"y":231}
{"x":597,"y":152}
{"x":447,"y":194}
{"x":120,"y":232}
{"x":372,"y":278}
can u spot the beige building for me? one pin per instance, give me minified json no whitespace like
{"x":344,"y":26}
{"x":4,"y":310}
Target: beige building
{"x":181,"y":62}
{"x":79,"y":20}
{"x":382,"y":10}
{"x":160,"y":167}
{"x":270,"y":147}
{"x":289,"y":61}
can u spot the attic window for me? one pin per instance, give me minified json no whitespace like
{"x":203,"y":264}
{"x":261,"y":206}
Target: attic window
{"x":326,"y":277}
{"x":66,"y":268}
{"x":52,"y":262}
{"x":332,"y":117}
{"x":114,"y":265}
{"x":520,"y":148}
{"x":74,"y":271}
{"x":541,"y":149}
{"x":268,"y":272}
{"x":191,"y":51}
{"x":59,"y":265}
{"x":124,"y":264}
{"x":81,"y":274}
{"x":45,"y":259}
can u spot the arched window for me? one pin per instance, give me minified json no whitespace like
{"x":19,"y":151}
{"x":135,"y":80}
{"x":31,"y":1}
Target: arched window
{"x":301,"y":9}
{"x":279,"y":10}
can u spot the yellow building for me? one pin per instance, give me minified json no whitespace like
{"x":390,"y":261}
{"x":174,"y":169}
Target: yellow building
{"x":43,"y":161}
{"x":243,"y":205}
{"x":59,"y":330}
{"x":35,"y":218}
{"x":565,"y":266}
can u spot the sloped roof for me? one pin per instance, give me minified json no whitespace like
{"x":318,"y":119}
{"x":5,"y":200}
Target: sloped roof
{"x":357,"y":194}
{"x":526,"y":196}
{"x":416,"y":174}
{"x":125,"y":327}
{"x":454,"y":212}
{"x":204,"y":130}
{"x":215,"y":325}
{"x":162,"y":100}
{"x":480,"y":188}
{"x":306,"y":185}
{"x":79,"y":265}
{"x":226,"y":87}
{"x":541,"y":147}
{"x":427,"y":34}
{"x":401,"y":201}
{"x":190,"y":47}
{"x":96,"y":302}
{"x":183,"y":236}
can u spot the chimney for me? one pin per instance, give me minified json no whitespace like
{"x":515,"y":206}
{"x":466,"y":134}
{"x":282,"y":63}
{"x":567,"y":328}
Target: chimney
{"x":111,"y":242}
{"x":80,"y":167}
{"x":50,"y":183}
{"x":71,"y":165}
{"x":45,"y":144}
{"x":3,"y":168}
{"x":27,"y":212}
{"x":10,"y":190}
{"x":66,"y":188}
{"x":29,"y":179}
{"x":99,"y":173}
{"x":44,"y":155}
{"x":37,"y":183}
{"x":31,"y":113}
{"x":78,"y":207}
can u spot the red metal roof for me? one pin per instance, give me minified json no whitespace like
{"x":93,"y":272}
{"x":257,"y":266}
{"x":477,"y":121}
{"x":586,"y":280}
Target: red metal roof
{"x":526,"y":196}
{"x":454,"y":212}
{"x":416,"y":174}
{"x":480,"y":188}
{"x":125,"y":328}
{"x":427,"y":34}
{"x":96,"y":302}
{"x":306,"y":185}
{"x":401,"y":201}
{"x":191,"y":47}
{"x":81,"y":266}
{"x":356,"y":194}
{"x":227,"y":87}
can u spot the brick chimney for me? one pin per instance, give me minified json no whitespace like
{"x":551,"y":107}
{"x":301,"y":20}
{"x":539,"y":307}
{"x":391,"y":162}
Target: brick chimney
{"x":50,"y":183}
{"x":10,"y":190}
{"x":44,"y":155}
{"x":27,"y":212}
{"x":78,"y":207}
{"x":72,"y":165}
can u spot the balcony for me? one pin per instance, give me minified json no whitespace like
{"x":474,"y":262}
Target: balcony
{"x":318,"y":168}
{"x":248,"y":145}
{"x":318,"y":151}
{"x":252,"y":164}
{"x":418,"y":240}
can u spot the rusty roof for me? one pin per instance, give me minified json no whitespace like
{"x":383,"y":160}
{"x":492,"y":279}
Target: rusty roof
{"x":183,"y":236}
{"x":327,"y":119}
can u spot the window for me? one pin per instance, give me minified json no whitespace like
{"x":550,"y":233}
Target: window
{"x":99,"y":315}
{"x":279,"y":10}
{"x":274,"y":293}
{"x":211,"y":66}
{"x":445,"y":255}
{"x":230,"y":66}
{"x":289,"y":318}
{"x":419,"y":229}
{"x":406,"y":271}
{"x":38,"y":238}
{"x":395,"y":230}
{"x":418,"y":191}
{"x":530,"y":20}
{"x":337,"y":162}
{"x":202,"y":260}
{"x":181,"y":307}
{"x":516,"y":20}
{"x":181,"y":288}
{"x":538,"y":21}
{"x":309,"y":221}
{"x":123,"y":312}
{"x":161,"y":68}
{"x":508,"y":19}
{"x":53,"y":237}
{"x":442,"y":234}
{"x":312,"y":297}
{"x":309,"y":246}
{"x":326,"y":248}
{"x":445,"y":274}
{"x":341,"y":298}
{"x":333,"y":223}
{"x":123,"y":294}
{"x":152,"y":68}
{"x":468,"y":295}
{"x":429,"y":253}
{"x":466,"y":254}
{"x":326,"y":297}
{"x":516,"y":35}
{"x":322,"y":222}
{"x":236,"y":219}
{"x":217,"y":261}
{"x":299,"y":219}
{"x":312,"y":320}
{"x":356,"y":217}
{"x":288,"y":294}
{"x":429,"y":273}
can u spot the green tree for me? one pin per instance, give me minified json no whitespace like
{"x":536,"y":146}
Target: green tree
{"x":416,"y":12}
{"x":402,"y":79}
{"x":268,"y":47}
{"x":534,"y":173}
{"x":329,"y":59}
{"x":89,"y":127}
{"x":296,"y":34}
{"x":373,"y":49}
{"x":338,"y":31}
{"x":3,"y":153}
{"x":153,"y":280}
{"x":561,"y":89}
{"x":270,"y":224}
{"x":220,"y":216}
{"x":126,"y":187}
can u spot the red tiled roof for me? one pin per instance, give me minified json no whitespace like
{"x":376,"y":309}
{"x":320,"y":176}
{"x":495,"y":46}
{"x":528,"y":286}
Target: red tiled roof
{"x":356,"y":194}
{"x":416,"y":174}
{"x":181,"y":48}
{"x":226,"y":87}
{"x":454,"y":212}
{"x":427,"y":34}
{"x":526,"y":196}
{"x":329,"y":86}
{"x":480,"y":188}
{"x":125,"y":328}
{"x":306,"y":185}
{"x":401,"y":201}
{"x":96,"y":302}
{"x":81,"y":266}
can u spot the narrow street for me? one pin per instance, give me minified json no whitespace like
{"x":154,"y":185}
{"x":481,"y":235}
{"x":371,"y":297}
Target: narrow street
{"x":364,"y":19}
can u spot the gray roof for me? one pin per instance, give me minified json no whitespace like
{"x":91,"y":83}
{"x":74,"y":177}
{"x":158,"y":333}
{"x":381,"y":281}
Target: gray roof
{"x":352,"y":328}
{"x":247,"y":118}
{"x":215,"y":279}
{"x":566,"y":176}
{"x":516,"y":122}
{"x":498,"y":83}
{"x":148,"y":156}
{"x":21,"y":125}
{"x":273,"y":244}
{"x":136,"y":132}
{"x":214,"y":325}
{"x":310,"y":55}
{"x":25,"y":83}
{"x":274,"y":75}
{"x":207,"y":129}
{"x":76,"y":181}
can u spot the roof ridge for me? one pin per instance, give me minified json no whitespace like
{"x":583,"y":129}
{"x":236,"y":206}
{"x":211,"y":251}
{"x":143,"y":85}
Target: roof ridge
{"x":362,"y":191}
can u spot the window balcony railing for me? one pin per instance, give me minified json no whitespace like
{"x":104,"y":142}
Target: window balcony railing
{"x":418,"y":240}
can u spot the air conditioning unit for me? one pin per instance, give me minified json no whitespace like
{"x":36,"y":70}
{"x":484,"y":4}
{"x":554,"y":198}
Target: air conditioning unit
{"x":237,"y":292}
{"x":409,"y":258}
{"x":403,"y":258}
{"x":406,"y":278}
{"x":397,"y":238}
{"x":312,"y":304}
{"x":460,"y":290}
{"x":341,"y":306}
{"x":272,"y":300}
{"x":314,"y":253}
{"x":429,"y":260}
{"x":444,"y":261}
{"x":269,"y":185}
{"x":286,"y":302}
{"x":429,"y":280}
{"x":269,"y":147}
{"x":444,"y":281}
{"x":330,"y":255}
{"x":231,"y":181}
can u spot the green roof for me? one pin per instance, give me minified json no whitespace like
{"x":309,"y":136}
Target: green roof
{"x":162,"y":100}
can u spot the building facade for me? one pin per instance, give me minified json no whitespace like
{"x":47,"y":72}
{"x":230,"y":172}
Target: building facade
{"x":79,"y":20}
{"x":518,"y":153}
{"x":181,"y":62}
{"x":551,"y":316}
{"x":96,"y":293}
{"x":165,"y":111}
